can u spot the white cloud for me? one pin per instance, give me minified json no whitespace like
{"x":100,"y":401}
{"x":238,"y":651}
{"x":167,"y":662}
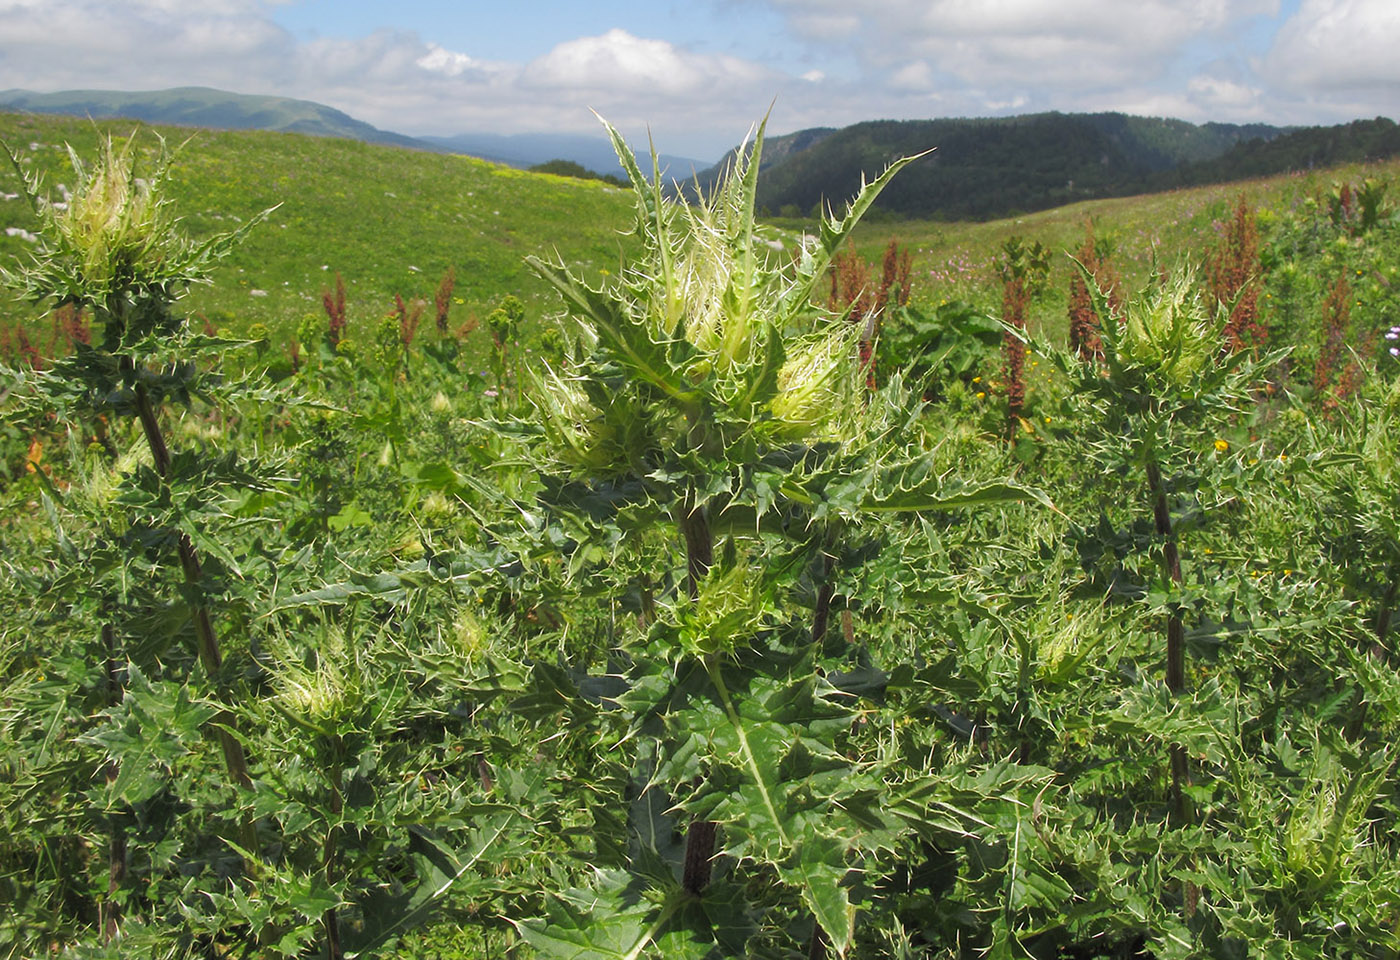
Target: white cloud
{"x":621,"y":63}
{"x":1200,"y":60}
{"x":1336,"y":45}
{"x":1221,"y":97}
{"x":447,"y":62}
{"x":916,"y":76}
{"x":1044,"y":52}
{"x":139,"y":44}
{"x":394,"y":79}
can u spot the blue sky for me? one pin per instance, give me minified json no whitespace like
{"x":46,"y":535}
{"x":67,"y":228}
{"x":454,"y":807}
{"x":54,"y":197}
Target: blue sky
{"x":697,"y":74}
{"x":525,"y":31}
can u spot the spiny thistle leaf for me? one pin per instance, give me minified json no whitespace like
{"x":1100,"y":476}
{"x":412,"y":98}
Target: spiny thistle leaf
{"x":620,"y":918}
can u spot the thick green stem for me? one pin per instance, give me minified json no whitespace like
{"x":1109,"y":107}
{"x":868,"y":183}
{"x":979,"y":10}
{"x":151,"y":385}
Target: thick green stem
{"x":1379,"y":650}
{"x":1176,"y":657}
{"x":1171,"y":568}
{"x":699,"y":855}
{"x":699,"y":543}
{"x":334,"y":950}
{"x":117,"y":849}
{"x":208,"y":642}
{"x":822,"y":614}
{"x":700,"y":556}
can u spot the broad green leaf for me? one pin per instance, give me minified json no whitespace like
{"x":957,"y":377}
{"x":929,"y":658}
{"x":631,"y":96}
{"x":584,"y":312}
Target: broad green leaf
{"x":935,"y":495}
{"x":619,"y":918}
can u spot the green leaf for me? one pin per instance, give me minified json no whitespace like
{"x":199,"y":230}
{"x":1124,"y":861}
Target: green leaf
{"x":813,"y":265}
{"x":444,"y":868}
{"x":618,"y":918}
{"x":786,"y":807}
{"x":624,"y":335}
{"x":933,"y":494}
{"x":818,"y":873}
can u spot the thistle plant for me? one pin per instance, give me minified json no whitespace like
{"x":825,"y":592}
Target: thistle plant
{"x":503,"y":323}
{"x":116,"y":250}
{"x":1369,"y":488}
{"x":709,"y":394}
{"x":1163,"y":375}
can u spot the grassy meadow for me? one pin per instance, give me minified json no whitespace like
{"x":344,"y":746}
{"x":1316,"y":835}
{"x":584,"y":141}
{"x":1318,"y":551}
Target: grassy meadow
{"x":390,"y":221}
{"x":657,"y":607}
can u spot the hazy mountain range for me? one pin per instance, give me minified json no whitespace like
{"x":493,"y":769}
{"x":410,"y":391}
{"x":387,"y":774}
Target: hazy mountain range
{"x":205,"y":107}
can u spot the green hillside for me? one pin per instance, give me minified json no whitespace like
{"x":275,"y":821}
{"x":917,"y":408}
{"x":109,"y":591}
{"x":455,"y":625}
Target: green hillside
{"x":206,"y":107}
{"x":989,"y":167}
{"x":390,"y":221}
{"x":1306,"y":149}
{"x":996,"y":167}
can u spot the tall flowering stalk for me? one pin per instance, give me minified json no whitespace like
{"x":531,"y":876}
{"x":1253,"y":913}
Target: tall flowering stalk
{"x":1023,"y":269}
{"x":333,"y":301}
{"x":1336,"y":320}
{"x":1083,"y":326}
{"x":442,"y":299}
{"x":864,"y":303}
{"x":1233,"y":270}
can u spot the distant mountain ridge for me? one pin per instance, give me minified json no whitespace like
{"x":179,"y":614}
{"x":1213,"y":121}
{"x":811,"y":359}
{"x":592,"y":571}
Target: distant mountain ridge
{"x":987,"y":167}
{"x":995,"y":167}
{"x":206,"y":107}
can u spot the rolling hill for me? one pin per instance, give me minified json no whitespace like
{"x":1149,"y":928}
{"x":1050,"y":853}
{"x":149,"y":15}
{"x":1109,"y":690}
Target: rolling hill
{"x":209,"y":108}
{"x":991,"y":167}
{"x":221,"y":110}
{"x":988,"y":168}
{"x":390,"y":221}
{"x":530,"y":149}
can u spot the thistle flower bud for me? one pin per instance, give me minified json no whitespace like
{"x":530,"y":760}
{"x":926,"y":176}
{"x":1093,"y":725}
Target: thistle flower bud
{"x":322,"y":692}
{"x":1169,"y":333}
{"x":729,"y":609}
{"x":815,"y":387}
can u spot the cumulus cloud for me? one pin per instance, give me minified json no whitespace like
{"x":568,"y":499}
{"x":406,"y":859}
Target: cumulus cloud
{"x":619,"y":62}
{"x":1338,"y":45}
{"x":1068,"y":46}
{"x":394,"y":79}
{"x":447,"y":62}
{"x":1221,"y":96}
{"x":139,"y":44}
{"x":999,"y":56}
